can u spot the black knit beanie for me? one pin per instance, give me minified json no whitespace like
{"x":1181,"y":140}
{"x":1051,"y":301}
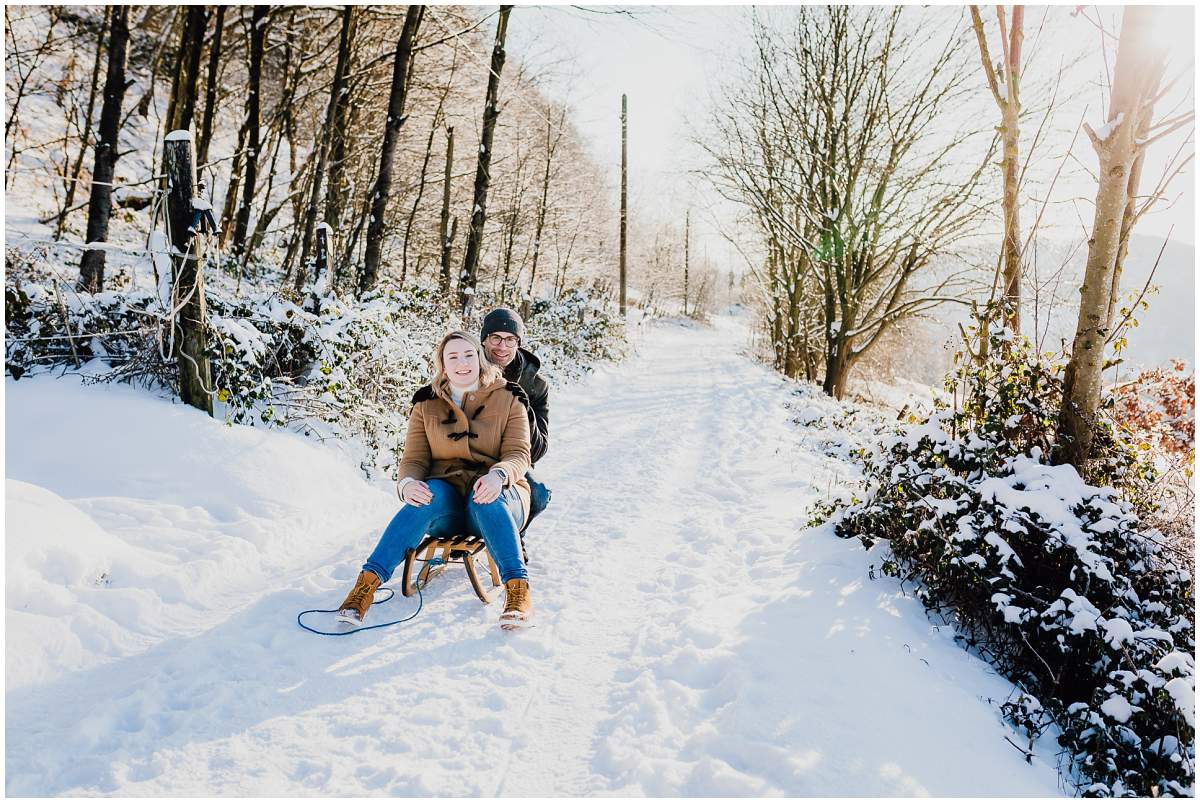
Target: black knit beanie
{"x":502,"y":319}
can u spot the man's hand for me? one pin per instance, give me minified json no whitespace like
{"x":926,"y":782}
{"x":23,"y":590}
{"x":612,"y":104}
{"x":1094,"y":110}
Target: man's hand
{"x":487,"y":488}
{"x":417,"y":494}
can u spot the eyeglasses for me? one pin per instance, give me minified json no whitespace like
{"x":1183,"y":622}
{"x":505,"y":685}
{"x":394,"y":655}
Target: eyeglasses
{"x":496,"y":340}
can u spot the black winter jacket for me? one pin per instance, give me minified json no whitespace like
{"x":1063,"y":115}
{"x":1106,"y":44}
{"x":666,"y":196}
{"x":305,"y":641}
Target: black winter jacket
{"x":524,"y":371}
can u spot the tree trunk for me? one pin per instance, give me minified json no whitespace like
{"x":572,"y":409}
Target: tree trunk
{"x":774,"y":307}
{"x":335,"y":199}
{"x":687,"y":238}
{"x":1011,"y":136}
{"x":182,"y":106}
{"x":345,"y":42}
{"x":258,"y":38}
{"x":231,"y":192}
{"x":210,"y":89}
{"x":438,"y":118}
{"x":791,"y":357}
{"x":86,"y":133}
{"x":91,"y":271}
{"x":551,"y":147}
{"x":511,"y":224}
{"x":445,"y":231}
{"x":387,"y":153}
{"x":837,"y":367}
{"x":1127,"y":219}
{"x":324,"y":235}
{"x":1136,"y":77}
{"x":274,"y":141}
{"x":470,"y":269}
{"x":1005,"y":90}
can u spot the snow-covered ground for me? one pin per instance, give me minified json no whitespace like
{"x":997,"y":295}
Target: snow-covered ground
{"x":693,"y":638}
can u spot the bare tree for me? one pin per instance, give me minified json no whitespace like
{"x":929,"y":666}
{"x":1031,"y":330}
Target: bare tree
{"x":491,"y":111}
{"x":434,"y":127}
{"x":182,"y":106}
{"x":91,"y":269}
{"x":71,"y":181}
{"x":1006,"y":90}
{"x":345,"y":44}
{"x":446,"y":227}
{"x":835,"y":146}
{"x":25,"y":64}
{"x":395,"y":120}
{"x":210,"y":88}
{"x":554,"y":136}
{"x":1119,"y":145}
{"x":258,"y":38}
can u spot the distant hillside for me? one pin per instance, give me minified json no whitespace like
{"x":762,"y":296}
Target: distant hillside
{"x":1166,"y":330}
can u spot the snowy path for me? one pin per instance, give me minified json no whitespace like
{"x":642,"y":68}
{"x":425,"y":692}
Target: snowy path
{"x":692,"y":638}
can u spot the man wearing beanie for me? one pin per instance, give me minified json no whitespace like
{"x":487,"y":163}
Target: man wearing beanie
{"x":502,"y":334}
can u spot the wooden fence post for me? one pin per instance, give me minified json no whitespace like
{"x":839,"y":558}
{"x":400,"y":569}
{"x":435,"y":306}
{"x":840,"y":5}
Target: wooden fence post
{"x":189,"y":324}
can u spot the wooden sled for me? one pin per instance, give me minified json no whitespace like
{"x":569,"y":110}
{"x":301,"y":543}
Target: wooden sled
{"x":464,"y":549}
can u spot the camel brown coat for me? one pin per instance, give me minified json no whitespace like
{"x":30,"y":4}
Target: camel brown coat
{"x":460,"y":445}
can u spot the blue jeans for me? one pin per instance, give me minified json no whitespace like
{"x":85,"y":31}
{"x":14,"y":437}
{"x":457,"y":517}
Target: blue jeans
{"x":539,"y":497}
{"x":450,"y":514}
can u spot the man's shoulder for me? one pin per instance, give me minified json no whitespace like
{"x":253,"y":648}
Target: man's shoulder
{"x":528,"y":376}
{"x":423,"y":394}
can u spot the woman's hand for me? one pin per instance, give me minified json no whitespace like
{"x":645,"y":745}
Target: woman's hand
{"x":417,"y":493}
{"x":487,"y":488}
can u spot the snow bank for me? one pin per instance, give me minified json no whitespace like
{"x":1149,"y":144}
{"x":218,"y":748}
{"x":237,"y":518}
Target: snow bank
{"x":132,"y":518}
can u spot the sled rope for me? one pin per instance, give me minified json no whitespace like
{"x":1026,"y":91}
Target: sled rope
{"x":391,"y":593}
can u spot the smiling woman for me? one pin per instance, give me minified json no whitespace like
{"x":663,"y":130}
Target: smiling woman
{"x":459,"y":367}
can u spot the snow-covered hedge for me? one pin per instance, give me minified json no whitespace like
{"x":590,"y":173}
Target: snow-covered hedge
{"x":1054,"y":580}
{"x":336,"y":367}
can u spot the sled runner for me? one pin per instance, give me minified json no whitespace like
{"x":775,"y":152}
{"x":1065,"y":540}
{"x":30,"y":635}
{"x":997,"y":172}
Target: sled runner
{"x":464,"y":549}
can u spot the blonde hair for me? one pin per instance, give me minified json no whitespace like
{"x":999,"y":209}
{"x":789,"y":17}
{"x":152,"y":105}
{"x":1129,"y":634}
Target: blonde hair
{"x":488,"y":373}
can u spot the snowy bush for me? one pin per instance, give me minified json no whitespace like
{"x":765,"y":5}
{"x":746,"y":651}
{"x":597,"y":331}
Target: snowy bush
{"x":333,"y":367}
{"x":572,"y":332}
{"x":351,"y":365}
{"x":1055,"y":580}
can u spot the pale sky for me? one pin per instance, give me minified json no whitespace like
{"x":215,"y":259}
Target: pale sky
{"x":666,"y":59}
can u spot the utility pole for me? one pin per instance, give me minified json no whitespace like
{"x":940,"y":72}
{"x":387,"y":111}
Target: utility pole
{"x":624,"y":189}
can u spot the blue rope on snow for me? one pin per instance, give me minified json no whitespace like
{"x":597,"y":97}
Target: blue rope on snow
{"x":391,"y":593}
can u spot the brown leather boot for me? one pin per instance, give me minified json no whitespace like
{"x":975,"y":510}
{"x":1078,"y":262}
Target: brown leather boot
{"x":354,"y":609}
{"x":517,"y":607}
